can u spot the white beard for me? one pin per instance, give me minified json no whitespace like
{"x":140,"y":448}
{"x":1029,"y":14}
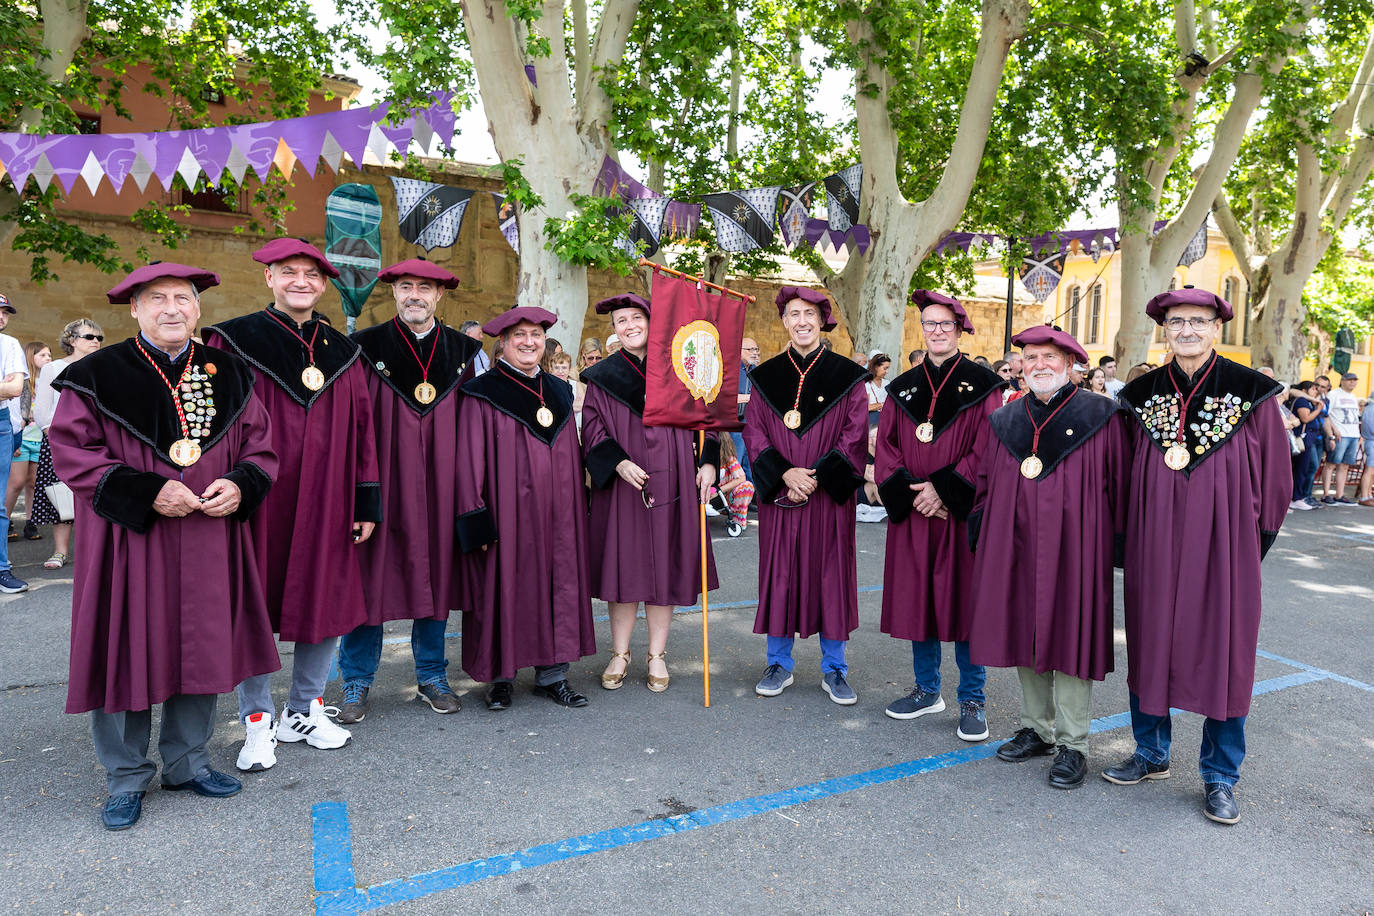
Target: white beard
{"x":1047,"y":386}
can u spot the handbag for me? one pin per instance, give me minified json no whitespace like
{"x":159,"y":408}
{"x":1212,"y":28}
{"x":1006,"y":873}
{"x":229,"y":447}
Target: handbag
{"x":62,"y":499}
{"x":1295,"y":443}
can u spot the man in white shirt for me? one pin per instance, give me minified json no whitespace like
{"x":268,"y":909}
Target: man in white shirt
{"x":1114,"y":384}
{"x":1345,"y":417}
{"x":14,"y":369}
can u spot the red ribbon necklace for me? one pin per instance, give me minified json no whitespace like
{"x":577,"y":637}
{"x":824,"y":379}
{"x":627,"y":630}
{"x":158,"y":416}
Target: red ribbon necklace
{"x":424,"y":392}
{"x":925,"y":432}
{"x":185,"y":451}
{"x":1032,"y":465}
{"x":792,"y":419}
{"x":543,"y":415}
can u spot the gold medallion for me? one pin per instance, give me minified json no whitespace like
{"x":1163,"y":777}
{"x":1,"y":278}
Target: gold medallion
{"x":185,"y":452}
{"x":1176,"y":457}
{"x":1031,"y":467}
{"x":425,"y":393}
{"x":792,"y":419}
{"x":925,"y":432}
{"x":544,"y":416}
{"x":312,"y":378}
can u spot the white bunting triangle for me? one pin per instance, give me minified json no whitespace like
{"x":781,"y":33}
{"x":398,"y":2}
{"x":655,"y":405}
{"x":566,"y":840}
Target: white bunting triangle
{"x":91,"y":172}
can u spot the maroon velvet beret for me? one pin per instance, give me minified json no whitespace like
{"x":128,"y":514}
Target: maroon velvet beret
{"x":924,"y":297}
{"x":622,"y":301}
{"x":421,"y":268}
{"x":1189,"y":295}
{"x":808,"y":294}
{"x":123,"y":292}
{"x":1045,"y":334}
{"x":285,"y":247}
{"x":511,"y":317}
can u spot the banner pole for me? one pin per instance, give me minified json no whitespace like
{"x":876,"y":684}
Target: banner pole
{"x":705,"y":624}
{"x":645,"y":262}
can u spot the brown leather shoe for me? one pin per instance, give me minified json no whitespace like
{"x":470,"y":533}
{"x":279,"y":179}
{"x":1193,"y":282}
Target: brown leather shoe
{"x":1367,"y":502}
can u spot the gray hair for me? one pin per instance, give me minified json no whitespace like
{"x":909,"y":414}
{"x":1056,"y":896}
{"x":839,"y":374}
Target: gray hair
{"x":468,"y":326}
{"x":68,"y":336}
{"x":133,"y":297}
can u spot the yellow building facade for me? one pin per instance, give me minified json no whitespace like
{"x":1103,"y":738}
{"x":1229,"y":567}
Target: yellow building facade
{"x":1087,"y":304}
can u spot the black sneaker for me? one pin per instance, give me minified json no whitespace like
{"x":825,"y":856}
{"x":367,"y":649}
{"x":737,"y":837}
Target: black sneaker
{"x":973,"y":721}
{"x":11,"y":584}
{"x":31,"y":532}
{"x":918,"y":703}
{"x":354,"y":709}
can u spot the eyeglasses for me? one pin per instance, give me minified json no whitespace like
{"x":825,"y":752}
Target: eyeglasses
{"x":96,"y":337}
{"x":947,"y":326}
{"x":1196,"y":323}
{"x":590,"y":358}
{"x":647,"y":496}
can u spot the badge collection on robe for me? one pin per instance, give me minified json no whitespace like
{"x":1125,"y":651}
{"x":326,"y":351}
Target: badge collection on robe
{"x":1218,"y":418}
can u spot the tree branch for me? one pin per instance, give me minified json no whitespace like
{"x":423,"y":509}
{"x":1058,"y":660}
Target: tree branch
{"x":1235,"y":235}
{"x":612,"y":32}
{"x":582,"y":51}
{"x":500,"y":67}
{"x":551,"y":73}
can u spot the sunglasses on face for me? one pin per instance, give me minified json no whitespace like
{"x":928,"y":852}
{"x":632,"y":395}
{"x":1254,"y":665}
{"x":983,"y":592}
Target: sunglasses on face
{"x":97,"y":337}
{"x":590,"y":358}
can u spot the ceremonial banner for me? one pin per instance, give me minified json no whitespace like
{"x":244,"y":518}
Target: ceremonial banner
{"x":692,"y":375}
{"x":842,"y":190}
{"x":1040,"y":274}
{"x":743,"y":219}
{"x":353,"y":243}
{"x":679,"y":220}
{"x":796,"y":213}
{"x":430,"y":214}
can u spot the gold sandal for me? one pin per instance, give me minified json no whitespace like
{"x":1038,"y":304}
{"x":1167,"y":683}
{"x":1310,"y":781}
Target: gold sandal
{"x":613,"y":681}
{"x":658,"y":684}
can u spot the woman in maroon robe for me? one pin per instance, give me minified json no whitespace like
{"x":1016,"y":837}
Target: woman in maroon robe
{"x":167,"y":606}
{"x":808,"y":442}
{"x":930,"y":442}
{"x":1211,"y":479}
{"x":1047,"y":517}
{"x":646,"y":492}
{"x":522,"y":523}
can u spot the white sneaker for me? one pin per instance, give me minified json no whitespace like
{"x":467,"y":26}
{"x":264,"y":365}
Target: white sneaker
{"x":316,"y":729}
{"x":711,"y":511}
{"x":1300,"y":505}
{"x":259,"y":745}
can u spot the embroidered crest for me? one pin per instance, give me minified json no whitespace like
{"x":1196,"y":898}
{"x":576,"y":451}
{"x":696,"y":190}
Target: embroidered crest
{"x":697,"y":359}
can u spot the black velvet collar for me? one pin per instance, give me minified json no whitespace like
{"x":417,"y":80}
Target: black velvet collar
{"x":516,"y":399}
{"x":1227,"y":398}
{"x":125,"y":388}
{"x":277,"y":354}
{"x":1079,"y":420}
{"x":775,"y":382}
{"x":968,"y":384}
{"x":385,"y":351}
{"x":622,"y":379}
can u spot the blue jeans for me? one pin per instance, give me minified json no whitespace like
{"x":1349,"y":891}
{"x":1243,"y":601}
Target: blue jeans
{"x":360,"y":652}
{"x":1305,"y":467}
{"x":1223,"y":743}
{"x":925,"y":662}
{"x":832,"y":653}
{"x":742,"y":455}
{"x":9,"y":440}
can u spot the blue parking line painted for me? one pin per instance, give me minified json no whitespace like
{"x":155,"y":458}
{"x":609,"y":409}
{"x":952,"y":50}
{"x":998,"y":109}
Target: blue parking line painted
{"x":1329,"y":675}
{"x":343,"y":896}
{"x":333,"y":847}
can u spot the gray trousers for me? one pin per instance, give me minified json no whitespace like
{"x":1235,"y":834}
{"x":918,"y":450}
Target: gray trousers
{"x":310,"y":666}
{"x":121,"y":742}
{"x":1058,"y":706}
{"x":544,"y":675}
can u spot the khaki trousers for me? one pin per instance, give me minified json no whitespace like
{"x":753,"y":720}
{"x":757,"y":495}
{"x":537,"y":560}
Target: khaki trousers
{"x":1057,"y":706}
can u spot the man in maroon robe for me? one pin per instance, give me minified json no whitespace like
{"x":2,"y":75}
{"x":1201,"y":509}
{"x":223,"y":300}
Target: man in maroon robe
{"x":166,"y":446}
{"x":326,"y":500}
{"x":522,"y":520}
{"x":1047,"y":516}
{"x":1210,"y":482}
{"x":647,"y":487}
{"x":410,"y":563}
{"x":806,"y":432}
{"x":930,"y":438}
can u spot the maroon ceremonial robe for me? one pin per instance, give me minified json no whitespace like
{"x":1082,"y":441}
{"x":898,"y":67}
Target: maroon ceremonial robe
{"x":928,"y":567}
{"x":410,"y":564}
{"x":161,"y":606}
{"x":328,"y":475}
{"x":527,"y":597}
{"x":640,"y":553}
{"x":1195,"y":537}
{"x":1045,"y":546}
{"x":808,"y":570}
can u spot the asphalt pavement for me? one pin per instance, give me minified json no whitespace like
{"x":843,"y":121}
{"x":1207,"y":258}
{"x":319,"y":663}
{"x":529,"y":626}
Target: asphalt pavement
{"x":651,"y":802}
